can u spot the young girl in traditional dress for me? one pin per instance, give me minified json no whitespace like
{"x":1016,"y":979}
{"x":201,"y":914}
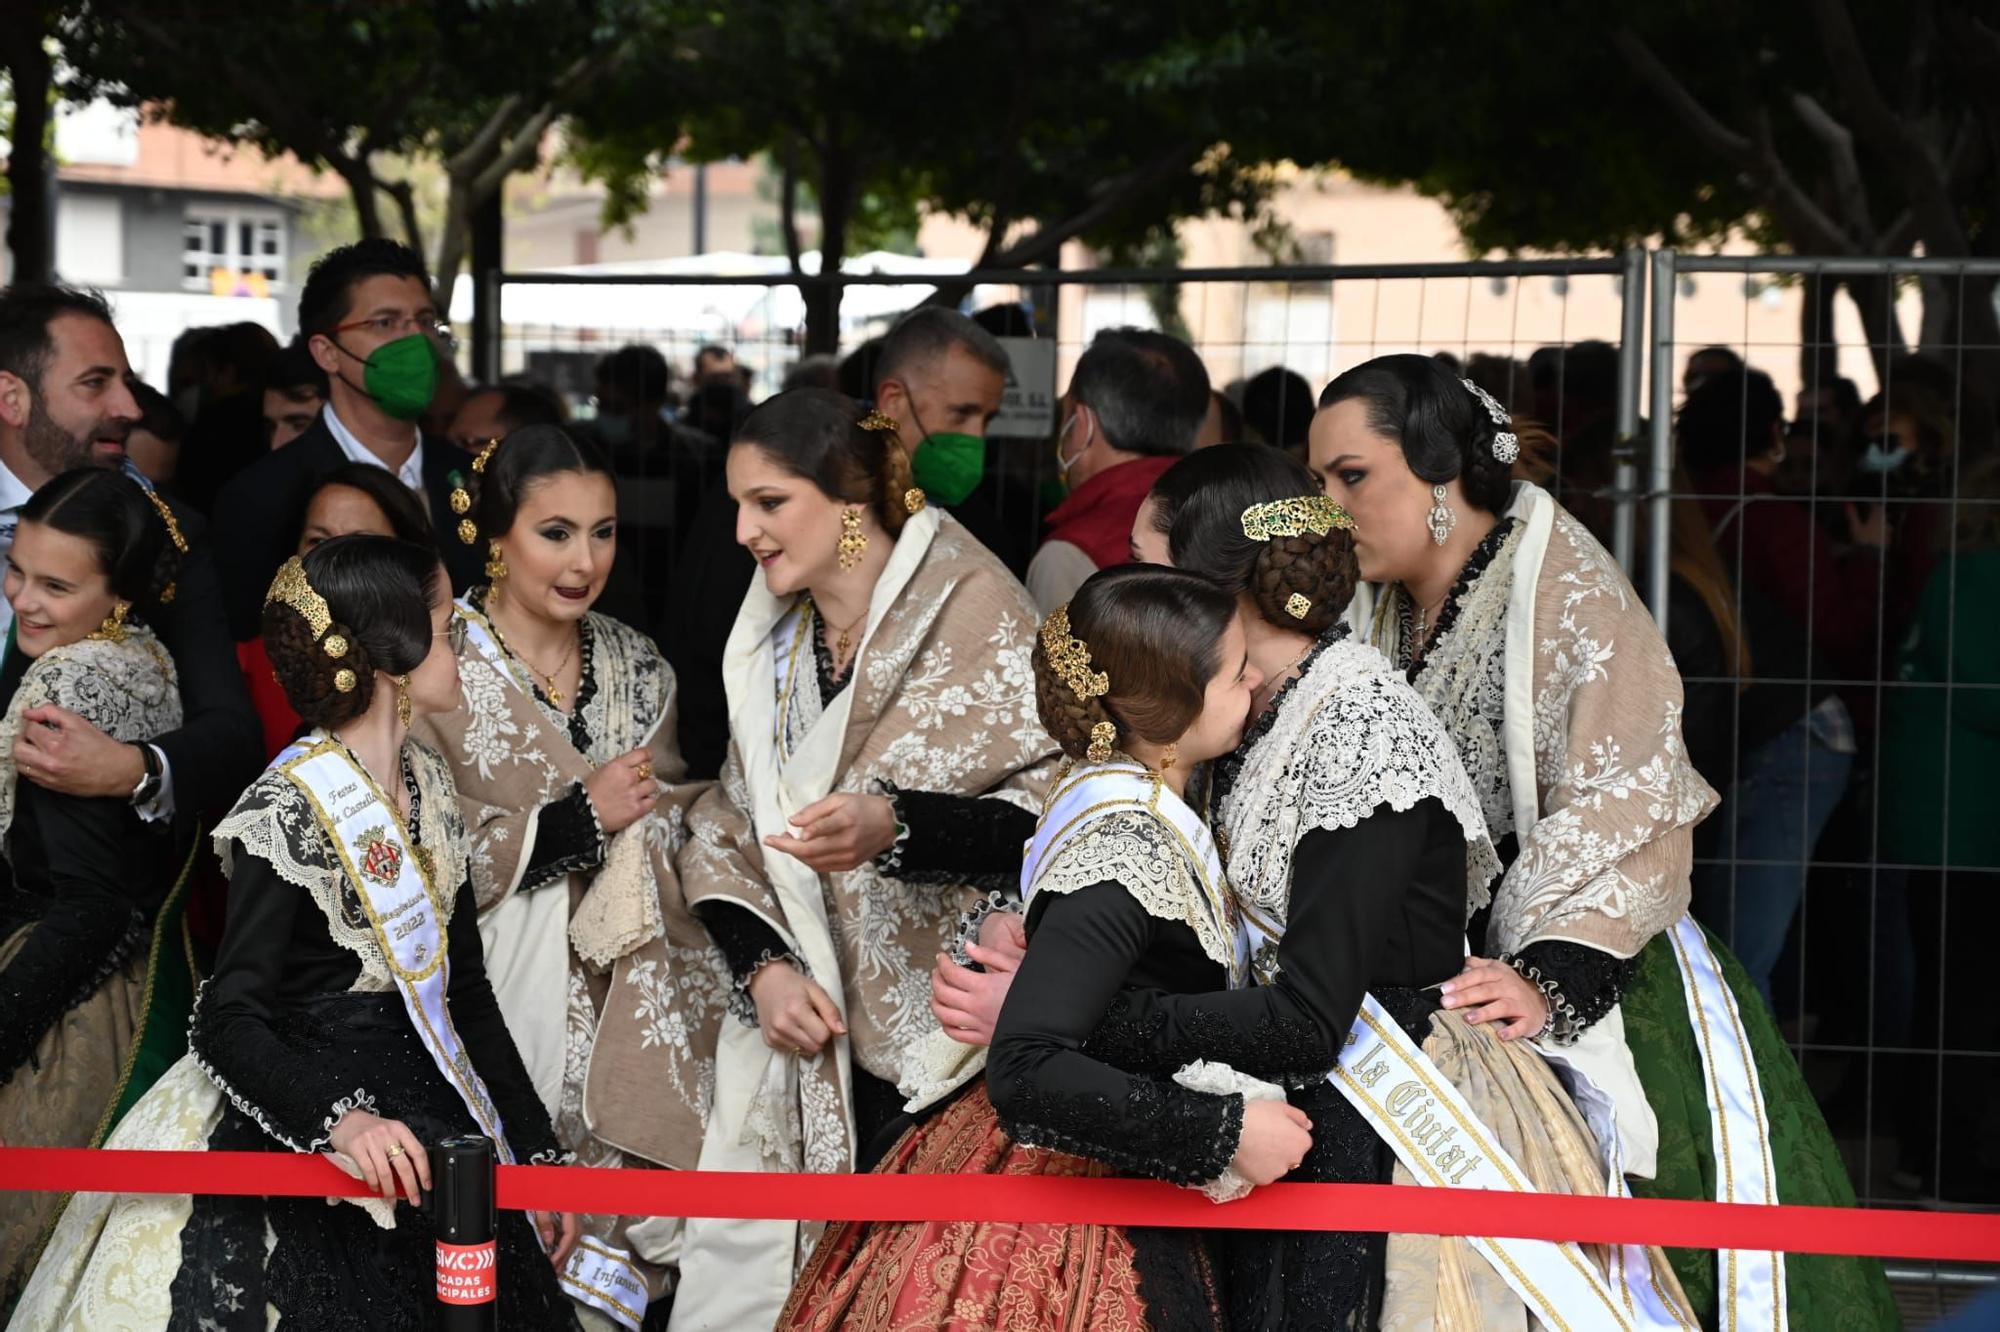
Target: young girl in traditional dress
{"x":1141,"y":678}
{"x":881,"y":715}
{"x":349,"y":1011}
{"x":564,"y":754}
{"x":92,"y":978}
{"x":1532,"y":649}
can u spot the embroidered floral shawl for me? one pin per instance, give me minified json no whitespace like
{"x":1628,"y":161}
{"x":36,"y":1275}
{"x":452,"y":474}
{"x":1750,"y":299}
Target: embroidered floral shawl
{"x":1554,"y":654}
{"x":943,"y":699}
{"x":512,"y":755}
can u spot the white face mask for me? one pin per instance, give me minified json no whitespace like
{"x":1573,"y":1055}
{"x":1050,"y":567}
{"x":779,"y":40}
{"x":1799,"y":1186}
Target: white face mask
{"x":1878,"y":461}
{"x":1064,"y":464}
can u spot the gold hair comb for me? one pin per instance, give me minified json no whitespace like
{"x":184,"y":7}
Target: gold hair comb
{"x":291,"y":588}
{"x":1071,"y":658}
{"x":1294,"y":517}
{"x":168,"y":592}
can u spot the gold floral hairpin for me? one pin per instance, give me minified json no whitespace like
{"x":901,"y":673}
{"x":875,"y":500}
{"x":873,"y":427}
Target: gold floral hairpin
{"x":168,"y":592}
{"x":1294,"y":517}
{"x":914,"y":498}
{"x":1071,"y":658}
{"x":461,"y":498}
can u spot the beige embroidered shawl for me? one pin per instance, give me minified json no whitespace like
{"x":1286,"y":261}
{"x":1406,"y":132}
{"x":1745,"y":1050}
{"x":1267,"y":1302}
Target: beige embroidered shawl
{"x":1566,"y":706}
{"x":942,"y":699}
{"x":512,"y":755}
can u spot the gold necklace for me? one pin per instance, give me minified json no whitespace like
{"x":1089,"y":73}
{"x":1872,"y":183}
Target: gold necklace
{"x":843,"y":644}
{"x":548,"y":677}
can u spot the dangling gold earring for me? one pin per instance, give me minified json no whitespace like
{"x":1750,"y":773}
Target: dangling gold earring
{"x":403,"y":700}
{"x":496,"y":564}
{"x":853,"y":543}
{"x":1441,"y":519}
{"x":113,"y":628}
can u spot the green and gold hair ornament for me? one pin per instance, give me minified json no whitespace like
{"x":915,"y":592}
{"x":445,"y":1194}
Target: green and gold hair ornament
{"x":1070,"y":657}
{"x":1295,"y":517}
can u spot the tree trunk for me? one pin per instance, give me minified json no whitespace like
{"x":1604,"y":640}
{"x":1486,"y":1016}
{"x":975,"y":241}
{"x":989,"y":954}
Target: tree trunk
{"x":822,"y":296}
{"x":362,"y":188}
{"x":30,"y":230}
{"x":1874,"y":299}
{"x":1819,"y":359}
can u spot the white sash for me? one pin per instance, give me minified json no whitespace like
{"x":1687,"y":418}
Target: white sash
{"x":1440,"y":1140}
{"x":1099,"y":790}
{"x":1751,"y":1282}
{"x":394,"y":886}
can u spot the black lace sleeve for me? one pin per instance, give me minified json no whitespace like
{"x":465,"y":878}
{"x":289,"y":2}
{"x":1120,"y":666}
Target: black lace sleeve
{"x":89,"y":926}
{"x":291,"y":1095}
{"x":747,"y":942}
{"x":953,"y":839}
{"x":568,"y":840}
{"x":1581,"y":983}
{"x":1343,"y":931}
{"x":1049,"y":1093}
{"x":475,"y":1013}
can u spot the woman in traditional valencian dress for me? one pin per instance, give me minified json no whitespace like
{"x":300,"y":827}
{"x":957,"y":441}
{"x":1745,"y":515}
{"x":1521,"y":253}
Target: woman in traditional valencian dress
{"x":1356,"y":848}
{"x":1141,"y":678}
{"x":1529,"y":645}
{"x":92,"y":974}
{"x":881,"y":710}
{"x":563,"y":751}
{"x":348,"y":1013}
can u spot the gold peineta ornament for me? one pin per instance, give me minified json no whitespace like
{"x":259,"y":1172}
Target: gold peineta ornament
{"x":1070,"y":656}
{"x":171,"y":590}
{"x":292,"y":588}
{"x":881,"y":424}
{"x":1295,"y":517}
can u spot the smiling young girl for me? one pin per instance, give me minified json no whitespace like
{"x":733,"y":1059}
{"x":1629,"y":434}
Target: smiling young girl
{"x":84,"y":878}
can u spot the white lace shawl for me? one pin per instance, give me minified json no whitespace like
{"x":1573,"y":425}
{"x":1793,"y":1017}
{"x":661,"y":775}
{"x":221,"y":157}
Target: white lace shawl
{"x":128,"y":690}
{"x":1144,"y":857}
{"x":275,"y":823}
{"x":1350,"y":736}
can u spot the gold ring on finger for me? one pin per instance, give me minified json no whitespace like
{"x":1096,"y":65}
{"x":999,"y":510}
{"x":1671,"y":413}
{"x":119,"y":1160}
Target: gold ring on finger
{"x":395,"y":1150}
{"x":646,"y":772}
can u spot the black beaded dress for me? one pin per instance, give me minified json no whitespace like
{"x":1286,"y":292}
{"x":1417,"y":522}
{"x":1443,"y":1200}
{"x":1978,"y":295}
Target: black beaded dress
{"x":300,"y":1025}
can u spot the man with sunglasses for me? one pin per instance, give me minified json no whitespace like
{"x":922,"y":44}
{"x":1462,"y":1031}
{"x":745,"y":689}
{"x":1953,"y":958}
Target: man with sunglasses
{"x":370,"y":322}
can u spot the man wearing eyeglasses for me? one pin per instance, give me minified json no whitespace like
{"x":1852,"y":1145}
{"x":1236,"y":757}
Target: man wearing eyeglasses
{"x":368,"y":319}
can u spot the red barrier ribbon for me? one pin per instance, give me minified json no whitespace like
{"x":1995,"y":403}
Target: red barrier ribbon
{"x":1404,"y":1209}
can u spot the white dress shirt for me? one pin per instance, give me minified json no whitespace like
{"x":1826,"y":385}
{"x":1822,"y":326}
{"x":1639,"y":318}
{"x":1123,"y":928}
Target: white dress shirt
{"x":411,"y":473}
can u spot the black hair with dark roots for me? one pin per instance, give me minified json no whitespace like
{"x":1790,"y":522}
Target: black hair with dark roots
{"x":110,"y":511}
{"x":1197,"y":505}
{"x":1442,"y":429}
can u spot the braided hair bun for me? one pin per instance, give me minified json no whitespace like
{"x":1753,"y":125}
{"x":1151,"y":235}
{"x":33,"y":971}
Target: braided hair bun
{"x":1152,"y":633}
{"x":1300,"y":582}
{"x":364,"y":609}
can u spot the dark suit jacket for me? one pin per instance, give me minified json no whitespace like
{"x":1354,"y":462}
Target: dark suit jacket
{"x":219,"y":748}
{"x":258,"y":513}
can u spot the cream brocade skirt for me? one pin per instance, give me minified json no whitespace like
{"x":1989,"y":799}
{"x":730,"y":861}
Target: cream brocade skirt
{"x":58,"y":1098}
{"x":1442,"y":1282}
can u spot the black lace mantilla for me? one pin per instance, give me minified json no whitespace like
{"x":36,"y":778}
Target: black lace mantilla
{"x":586,"y":688}
{"x":1581,"y":984}
{"x":1162,"y":1131}
{"x":1410,"y":655}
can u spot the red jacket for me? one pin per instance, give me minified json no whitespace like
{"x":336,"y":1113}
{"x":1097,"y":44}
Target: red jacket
{"x":1097,"y":516}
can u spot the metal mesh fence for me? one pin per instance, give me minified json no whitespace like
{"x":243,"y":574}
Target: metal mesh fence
{"x":1827,"y":563}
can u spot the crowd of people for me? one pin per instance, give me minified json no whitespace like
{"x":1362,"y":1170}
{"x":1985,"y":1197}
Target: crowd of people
{"x":385,"y":758}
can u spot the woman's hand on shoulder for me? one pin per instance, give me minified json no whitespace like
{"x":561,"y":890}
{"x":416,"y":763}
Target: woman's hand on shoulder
{"x":1490,"y":991}
{"x":1276,"y":1138}
{"x":623,"y":791}
{"x":795,"y":1015}
{"x":386,"y":1151}
{"x":840,"y":833}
